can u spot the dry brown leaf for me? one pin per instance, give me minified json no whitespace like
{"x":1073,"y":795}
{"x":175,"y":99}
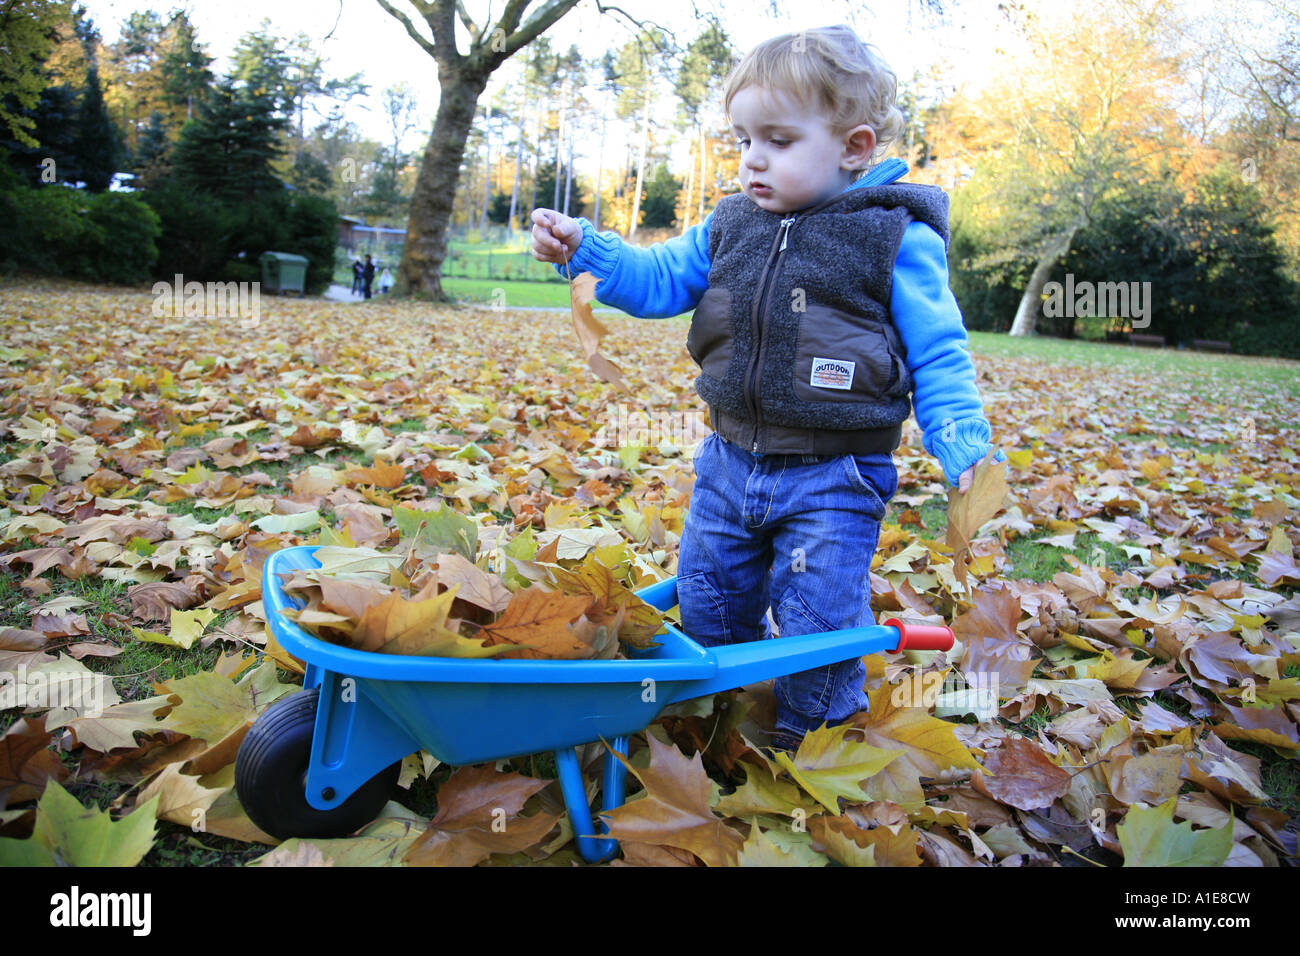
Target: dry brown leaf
{"x":590,"y":330}
{"x":542,"y":621}
{"x":1021,"y":776}
{"x":677,"y":809}
{"x":968,"y":511}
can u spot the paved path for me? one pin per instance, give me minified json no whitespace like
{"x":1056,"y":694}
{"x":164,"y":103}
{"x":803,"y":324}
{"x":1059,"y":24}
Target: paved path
{"x":342,"y":293}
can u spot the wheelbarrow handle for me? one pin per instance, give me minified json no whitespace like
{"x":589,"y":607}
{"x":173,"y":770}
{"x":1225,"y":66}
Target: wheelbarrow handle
{"x":750,"y":663}
{"x":921,"y":637}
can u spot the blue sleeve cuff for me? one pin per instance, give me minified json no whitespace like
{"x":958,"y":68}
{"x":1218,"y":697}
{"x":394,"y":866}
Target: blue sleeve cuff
{"x":656,"y":281}
{"x":960,"y":444}
{"x":597,"y":253}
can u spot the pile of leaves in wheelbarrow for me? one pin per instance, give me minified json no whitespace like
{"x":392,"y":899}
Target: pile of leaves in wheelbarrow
{"x":442,"y":605}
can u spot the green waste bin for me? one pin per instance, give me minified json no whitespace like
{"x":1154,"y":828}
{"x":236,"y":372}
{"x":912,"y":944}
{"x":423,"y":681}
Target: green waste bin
{"x":284,"y":272}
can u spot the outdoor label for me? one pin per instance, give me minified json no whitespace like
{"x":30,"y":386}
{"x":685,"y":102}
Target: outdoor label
{"x":831,"y":373}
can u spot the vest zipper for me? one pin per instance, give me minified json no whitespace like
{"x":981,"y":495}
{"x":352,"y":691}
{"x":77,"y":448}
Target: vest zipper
{"x":760,"y":313}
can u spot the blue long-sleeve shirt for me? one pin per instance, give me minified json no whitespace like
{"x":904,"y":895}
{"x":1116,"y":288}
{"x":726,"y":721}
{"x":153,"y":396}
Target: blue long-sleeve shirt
{"x":670,"y":277}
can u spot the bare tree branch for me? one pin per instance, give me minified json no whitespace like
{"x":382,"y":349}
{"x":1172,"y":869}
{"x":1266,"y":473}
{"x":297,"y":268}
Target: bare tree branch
{"x":532,"y":28}
{"x":405,"y":21}
{"x":640,"y":25}
{"x":510,"y":17}
{"x":475,"y":31}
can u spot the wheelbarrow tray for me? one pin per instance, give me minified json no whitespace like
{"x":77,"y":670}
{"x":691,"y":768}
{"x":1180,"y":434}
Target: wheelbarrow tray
{"x":466,"y":711}
{"x":377,"y":708}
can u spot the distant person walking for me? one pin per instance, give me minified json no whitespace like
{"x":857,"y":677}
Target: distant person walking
{"x":367,"y":275}
{"x":385,"y":281}
{"x":356,"y":275}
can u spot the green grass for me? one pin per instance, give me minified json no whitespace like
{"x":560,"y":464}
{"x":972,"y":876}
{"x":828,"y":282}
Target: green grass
{"x":511,"y":294}
{"x":180,"y":846}
{"x":1142,"y":362}
{"x":1279,"y":775}
{"x":186,"y":506}
{"x":1177,"y":441}
{"x":1028,"y":560}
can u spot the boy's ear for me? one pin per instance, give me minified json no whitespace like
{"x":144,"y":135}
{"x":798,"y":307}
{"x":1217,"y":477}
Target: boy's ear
{"x":859,"y":144}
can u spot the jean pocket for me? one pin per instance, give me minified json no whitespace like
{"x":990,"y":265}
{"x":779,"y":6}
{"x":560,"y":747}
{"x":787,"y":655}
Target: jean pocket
{"x":704,"y":610}
{"x":876,"y":476}
{"x":706,"y":448}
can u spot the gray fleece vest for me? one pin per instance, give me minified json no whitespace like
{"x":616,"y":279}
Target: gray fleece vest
{"x":793,"y":336}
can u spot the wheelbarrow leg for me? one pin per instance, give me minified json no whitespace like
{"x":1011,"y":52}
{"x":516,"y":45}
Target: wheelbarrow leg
{"x":593,"y":848}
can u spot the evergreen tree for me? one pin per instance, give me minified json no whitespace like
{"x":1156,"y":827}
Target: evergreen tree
{"x":546,"y":184}
{"x":385,"y":200}
{"x":261,"y":65}
{"x":51,"y":127}
{"x":499,"y":209}
{"x":659,"y":209}
{"x":227,"y":153}
{"x":184,"y":67}
{"x":95,"y":143}
{"x":151,"y":155}
{"x":310,"y":174}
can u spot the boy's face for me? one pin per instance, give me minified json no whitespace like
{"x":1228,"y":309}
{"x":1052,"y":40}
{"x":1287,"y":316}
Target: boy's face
{"x":790,"y":157}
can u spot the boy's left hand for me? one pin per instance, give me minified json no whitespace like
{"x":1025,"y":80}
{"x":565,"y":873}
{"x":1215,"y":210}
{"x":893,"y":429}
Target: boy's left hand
{"x":967,"y":477}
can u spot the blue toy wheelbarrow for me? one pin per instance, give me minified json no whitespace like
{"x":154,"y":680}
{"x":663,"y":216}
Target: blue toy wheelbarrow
{"x":323,"y":762}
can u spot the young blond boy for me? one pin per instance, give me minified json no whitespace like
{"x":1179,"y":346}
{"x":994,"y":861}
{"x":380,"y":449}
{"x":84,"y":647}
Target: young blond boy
{"x":822,"y":316}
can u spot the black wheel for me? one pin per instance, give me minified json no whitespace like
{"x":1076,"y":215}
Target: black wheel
{"x":271,"y":773}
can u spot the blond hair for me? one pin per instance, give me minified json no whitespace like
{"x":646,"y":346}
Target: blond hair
{"x":830,"y":69}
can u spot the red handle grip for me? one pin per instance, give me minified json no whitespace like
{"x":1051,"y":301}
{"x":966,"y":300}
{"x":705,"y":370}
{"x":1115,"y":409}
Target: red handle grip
{"x":921,"y":637}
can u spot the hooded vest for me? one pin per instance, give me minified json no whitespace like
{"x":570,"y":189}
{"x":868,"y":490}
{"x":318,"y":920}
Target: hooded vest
{"x":793,"y":336}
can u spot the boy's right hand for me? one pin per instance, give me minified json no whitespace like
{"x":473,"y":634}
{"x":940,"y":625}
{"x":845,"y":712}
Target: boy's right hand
{"x":556,"y":237}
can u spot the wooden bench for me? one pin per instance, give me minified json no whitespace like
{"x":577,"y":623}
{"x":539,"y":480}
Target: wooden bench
{"x":1211,"y":345}
{"x":1152,"y":341}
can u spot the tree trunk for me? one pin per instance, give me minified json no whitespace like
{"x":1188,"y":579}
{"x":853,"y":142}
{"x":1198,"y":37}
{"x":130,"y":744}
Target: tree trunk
{"x":519,"y":149}
{"x":568,"y":178}
{"x":689,"y":206}
{"x":435,"y":188}
{"x":534,"y":156}
{"x":600,"y":173}
{"x":704,"y":146}
{"x":1031,"y":303}
{"x":640,"y":166}
{"x":559,"y":142}
{"x":487,"y":172}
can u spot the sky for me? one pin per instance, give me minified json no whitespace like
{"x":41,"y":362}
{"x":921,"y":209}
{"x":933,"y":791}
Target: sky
{"x":357,"y":36}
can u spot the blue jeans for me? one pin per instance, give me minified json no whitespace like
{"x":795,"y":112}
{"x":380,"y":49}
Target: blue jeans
{"x":793,"y":532}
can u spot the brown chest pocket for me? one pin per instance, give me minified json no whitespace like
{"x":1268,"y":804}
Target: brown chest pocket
{"x":847,"y":358}
{"x":710,"y":340}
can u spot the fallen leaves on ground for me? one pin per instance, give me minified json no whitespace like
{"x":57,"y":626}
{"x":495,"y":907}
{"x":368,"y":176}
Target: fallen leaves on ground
{"x":1128,"y":656}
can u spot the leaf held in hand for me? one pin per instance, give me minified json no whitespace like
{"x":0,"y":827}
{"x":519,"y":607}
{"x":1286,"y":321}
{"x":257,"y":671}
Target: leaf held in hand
{"x":969,"y":510}
{"x":591,"y":330}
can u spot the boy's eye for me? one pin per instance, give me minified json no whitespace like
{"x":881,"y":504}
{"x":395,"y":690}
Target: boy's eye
{"x":742,"y":143}
{"x":780,"y":142}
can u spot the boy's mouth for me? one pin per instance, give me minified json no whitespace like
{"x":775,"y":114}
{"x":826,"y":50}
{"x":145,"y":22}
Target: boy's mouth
{"x":760,"y":189}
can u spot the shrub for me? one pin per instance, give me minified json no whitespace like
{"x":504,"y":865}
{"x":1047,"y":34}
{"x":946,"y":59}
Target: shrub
{"x":105,"y":237}
{"x":119,"y":243}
